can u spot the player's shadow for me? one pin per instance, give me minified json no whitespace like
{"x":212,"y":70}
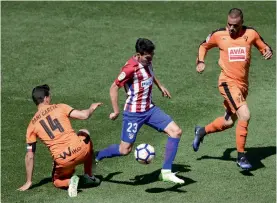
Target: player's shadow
{"x":153,"y":177}
{"x":254,"y":154}
{"x":80,"y":186}
{"x":42,"y":182}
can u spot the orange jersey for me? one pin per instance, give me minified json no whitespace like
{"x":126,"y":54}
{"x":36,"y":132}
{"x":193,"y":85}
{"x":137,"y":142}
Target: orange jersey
{"x":235,"y":54}
{"x":52,"y":125}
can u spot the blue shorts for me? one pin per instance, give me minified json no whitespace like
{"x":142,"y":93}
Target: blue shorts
{"x":132,"y":122}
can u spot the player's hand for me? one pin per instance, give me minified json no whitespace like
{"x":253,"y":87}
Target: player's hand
{"x":26,"y":186}
{"x":268,"y":53}
{"x":95,"y":105}
{"x":114,"y":115}
{"x":165,"y":92}
{"x":200,"y":67}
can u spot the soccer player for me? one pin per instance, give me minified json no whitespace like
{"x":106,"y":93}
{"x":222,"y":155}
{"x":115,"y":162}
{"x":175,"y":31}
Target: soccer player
{"x":234,"y":43}
{"x":52,"y":126}
{"x":137,"y":77}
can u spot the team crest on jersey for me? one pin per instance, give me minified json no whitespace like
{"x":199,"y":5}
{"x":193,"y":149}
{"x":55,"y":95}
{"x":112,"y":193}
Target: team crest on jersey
{"x":245,"y":38}
{"x":237,"y":54}
{"x":208,"y":38}
{"x":121,"y":76}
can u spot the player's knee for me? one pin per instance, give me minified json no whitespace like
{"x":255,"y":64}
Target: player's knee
{"x":175,"y":132}
{"x":57,"y":184}
{"x":245,"y":116}
{"x":243,"y":113}
{"x":179,"y":132}
{"x":125,"y":150}
{"x":229,"y":123}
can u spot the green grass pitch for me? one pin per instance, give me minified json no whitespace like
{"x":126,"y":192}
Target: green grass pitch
{"x":78,"y":49}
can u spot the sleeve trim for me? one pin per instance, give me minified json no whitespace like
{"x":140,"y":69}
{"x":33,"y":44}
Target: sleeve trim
{"x":70,"y":112}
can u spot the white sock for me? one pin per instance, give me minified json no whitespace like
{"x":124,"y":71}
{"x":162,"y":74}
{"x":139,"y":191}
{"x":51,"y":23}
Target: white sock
{"x":165,"y":171}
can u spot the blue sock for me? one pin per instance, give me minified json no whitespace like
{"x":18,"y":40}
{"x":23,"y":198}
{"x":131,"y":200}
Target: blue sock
{"x":111,"y":151}
{"x":170,"y":152}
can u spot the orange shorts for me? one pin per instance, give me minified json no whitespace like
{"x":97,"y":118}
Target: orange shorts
{"x":75,"y":154}
{"x":234,"y":96}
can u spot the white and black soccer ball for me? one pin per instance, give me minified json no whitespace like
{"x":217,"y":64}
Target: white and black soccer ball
{"x":144,"y":153}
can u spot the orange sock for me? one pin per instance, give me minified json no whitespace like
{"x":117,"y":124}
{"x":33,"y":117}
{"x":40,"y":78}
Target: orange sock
{"x":61,"y":183}
{"x":241,"y":133}
{"x":216,"y":126}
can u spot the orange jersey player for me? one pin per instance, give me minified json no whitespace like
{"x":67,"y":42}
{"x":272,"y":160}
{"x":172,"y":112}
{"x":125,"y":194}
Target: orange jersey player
{"x":235,"y":43}
{"x":52,"y":126}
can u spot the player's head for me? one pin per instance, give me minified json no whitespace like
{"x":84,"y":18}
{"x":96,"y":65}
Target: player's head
{"x":144,"y":51}
{"x":234,"y":22}
{"x":41,"y":94}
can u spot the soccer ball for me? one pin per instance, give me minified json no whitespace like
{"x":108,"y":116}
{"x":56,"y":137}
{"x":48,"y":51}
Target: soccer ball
{"x":144,"y":153}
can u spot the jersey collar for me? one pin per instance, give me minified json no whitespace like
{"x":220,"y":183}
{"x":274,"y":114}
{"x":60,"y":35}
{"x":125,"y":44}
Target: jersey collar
{"x":139,"y":64}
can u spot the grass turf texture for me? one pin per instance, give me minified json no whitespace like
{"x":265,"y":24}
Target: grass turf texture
{"x":78,"y":48}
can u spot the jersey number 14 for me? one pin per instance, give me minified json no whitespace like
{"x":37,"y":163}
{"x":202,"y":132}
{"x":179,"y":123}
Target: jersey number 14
{"x":54,"y":125}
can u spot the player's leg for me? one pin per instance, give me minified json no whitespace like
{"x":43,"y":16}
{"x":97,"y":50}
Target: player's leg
{"x":65,"y":178}
{"x":83,"y":134}
{"x":174,"y":134}
{"x":132,"y":122}
{"x":89,"y":159}
{"x":237,"y":101}
{"x":61,"y":176}
{"x":219,"y":124}
{"x":243,"y":114}
{"x":163,"y":122}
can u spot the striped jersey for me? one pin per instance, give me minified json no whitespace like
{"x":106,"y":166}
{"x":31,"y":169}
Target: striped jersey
{"x":138,"y":82}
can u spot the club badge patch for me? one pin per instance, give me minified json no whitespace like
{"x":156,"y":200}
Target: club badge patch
{"x":121,"y":76}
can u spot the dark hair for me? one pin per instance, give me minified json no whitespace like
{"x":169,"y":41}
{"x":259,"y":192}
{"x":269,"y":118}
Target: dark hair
{"x":39,"y":92}
{"x":144,"y":45}
{"x":236,"y":12}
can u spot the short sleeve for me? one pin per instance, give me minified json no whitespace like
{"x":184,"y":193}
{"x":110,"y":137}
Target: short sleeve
{"x":126,"y":74}
{"x":31,"y":136}
{"x":210,"y":42}
{"x":259,"y":42}
{"x":66,"y":109}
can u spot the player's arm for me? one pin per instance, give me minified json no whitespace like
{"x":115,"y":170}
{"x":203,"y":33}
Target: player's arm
{"x":114,"y":100}
{"x":263,"y":47}
{"x":29,"y":164}
{"x":207,"y":44}
{"x":86,"y":113}
{"x":126,"y":74}
{"x":164,"y":91}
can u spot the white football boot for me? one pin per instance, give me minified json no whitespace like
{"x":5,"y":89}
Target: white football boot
{"x":73,"y":186}
{"x":168,"y":176}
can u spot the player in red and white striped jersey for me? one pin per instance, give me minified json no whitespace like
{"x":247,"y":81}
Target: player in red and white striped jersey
{"x":138,"y":82}
{"x":137,"y":77}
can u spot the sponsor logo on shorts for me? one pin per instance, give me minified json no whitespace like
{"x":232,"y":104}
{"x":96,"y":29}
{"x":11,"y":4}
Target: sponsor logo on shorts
{"x":76,"y":150}
{"x":237,"y":54}
{"x":69,"y":152}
